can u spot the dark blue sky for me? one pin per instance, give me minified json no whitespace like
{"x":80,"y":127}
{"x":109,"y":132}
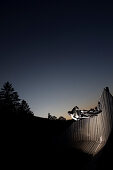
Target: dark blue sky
{"x":57,"y":54}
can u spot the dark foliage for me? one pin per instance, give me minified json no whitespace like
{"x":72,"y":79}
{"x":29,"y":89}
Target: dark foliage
{"x":24,"y":109}
{"x":9,"y":99}
{"x":29,"y":141}
{"x":10,"y":105}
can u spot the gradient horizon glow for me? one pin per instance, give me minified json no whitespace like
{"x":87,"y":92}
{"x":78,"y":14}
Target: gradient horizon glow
{"x":57,"y":54}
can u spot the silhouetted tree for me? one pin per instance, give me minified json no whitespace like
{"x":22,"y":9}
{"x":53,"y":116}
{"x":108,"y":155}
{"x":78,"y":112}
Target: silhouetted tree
{"x":51,"y":117}
{"x":9,"y":99}
{"x":24,"y":109}
{"x":61,"y":118}
{"x":10,"y":103}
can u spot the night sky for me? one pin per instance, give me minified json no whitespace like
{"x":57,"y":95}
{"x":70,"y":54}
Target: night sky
{"x":58,"y":53}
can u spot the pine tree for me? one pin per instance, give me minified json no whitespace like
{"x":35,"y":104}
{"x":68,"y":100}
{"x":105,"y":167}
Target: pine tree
{"x":9,"y":99}
{"x":10,"y":103}
{"x":24,"y":109}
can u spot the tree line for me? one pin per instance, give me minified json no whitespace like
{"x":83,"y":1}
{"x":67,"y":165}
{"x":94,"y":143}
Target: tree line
{"x":50,"y":117}
{"x":12,"y":106}
{"x":10,"y":103}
